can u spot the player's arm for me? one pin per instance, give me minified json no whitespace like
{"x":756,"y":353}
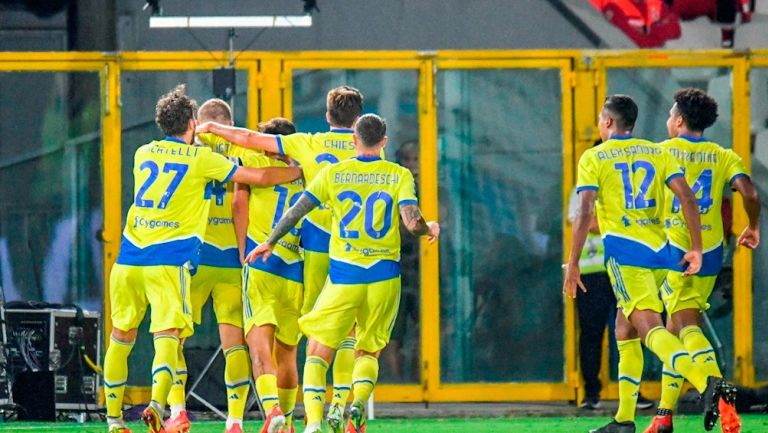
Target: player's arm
{"x":292,"y":217}
{"x":680,"y":187}
{"x":266,"y":176}
{"x":242,"y":137}
{"x":581,"y":223}
{"x":415,"y":224}
{"x":750,"y":237}
{"x":240,"y":216}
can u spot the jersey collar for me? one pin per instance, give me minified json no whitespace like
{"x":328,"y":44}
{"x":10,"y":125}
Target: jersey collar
{"x":692,"y":139}
{"x":174,"y":139}
{"x":342,"y":130}
{"x":368,"y":158}
{"x":621,"y":137}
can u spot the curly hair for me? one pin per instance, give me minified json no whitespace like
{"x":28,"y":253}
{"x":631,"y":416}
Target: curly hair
{"x":370,"y":129}
{"x":174,"y":110}
{"x":277,"y":126}
{"x":698,"y":109}
{"x":344,"y":105}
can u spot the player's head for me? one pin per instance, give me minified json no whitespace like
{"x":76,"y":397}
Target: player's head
{"x":617,"y":117}
{"x":277,"y":126}
{"x":407,"y":155}
{"x":370,"y":132}
{"x":693,"y":111}
{"x":215,"y":110}
{"x":175,"y":114}
{"x":344,"y":105}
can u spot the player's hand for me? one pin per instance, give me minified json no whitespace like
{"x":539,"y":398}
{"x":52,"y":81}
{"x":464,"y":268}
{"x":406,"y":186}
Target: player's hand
{"x":203,"y":127}
{"x":750,"y":238}
{"x":434,"y":231}
{"x":694,"y":259}
{"x":573,"y":280}
{"x":264,"y":250}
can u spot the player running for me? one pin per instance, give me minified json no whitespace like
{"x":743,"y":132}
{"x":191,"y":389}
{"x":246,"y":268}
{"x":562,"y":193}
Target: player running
{"x":314,"y":151}
{"x":627,"y":177}
{"x":367,"y":196}
{"x":273,"y":290}
{"x":159,"y":247}
{"x":708,"y":168}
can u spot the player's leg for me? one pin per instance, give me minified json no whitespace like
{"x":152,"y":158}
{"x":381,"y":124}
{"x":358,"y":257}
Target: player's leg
{"x":593,"y":317}
{"x":228,"y":307}
{"x":375,"y":320}
{"x":286,"y":341}
{"x":128,"y":306}
{"x":325,"y":326}
{"x":630,"y":368}
{"x":168,"y":292}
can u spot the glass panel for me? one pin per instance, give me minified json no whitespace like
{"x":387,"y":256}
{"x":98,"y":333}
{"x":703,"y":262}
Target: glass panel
{"x":653,"y":89}
{"x":139,"y":94}
{"x":500,"y":176}
{"x":759,"y":127}
{"x":50,"y":183}
{"x":392,"y":94}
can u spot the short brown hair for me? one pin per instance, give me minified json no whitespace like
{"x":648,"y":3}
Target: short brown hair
{"x":174,"y":110}
{"x":344,"y":105}
{"x":370,"y":129}
{"x":277,"y":126}
{"x":215,"y":110}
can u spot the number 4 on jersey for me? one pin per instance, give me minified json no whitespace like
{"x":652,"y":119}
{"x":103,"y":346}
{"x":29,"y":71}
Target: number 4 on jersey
{"x":703,"y":186}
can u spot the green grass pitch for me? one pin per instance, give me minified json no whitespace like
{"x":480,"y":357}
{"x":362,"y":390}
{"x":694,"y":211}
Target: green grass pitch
{"x":683,"y":424}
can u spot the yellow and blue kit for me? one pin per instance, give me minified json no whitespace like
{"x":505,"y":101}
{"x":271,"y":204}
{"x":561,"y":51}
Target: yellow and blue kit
{"x":163,"y":233}
{"x":364,"y":195}
{"x":273,"y":290}
{"x":219,"y":272}
{"x":630,"y":176}
{"x":313,"y":152}
{"x":708,"y":169}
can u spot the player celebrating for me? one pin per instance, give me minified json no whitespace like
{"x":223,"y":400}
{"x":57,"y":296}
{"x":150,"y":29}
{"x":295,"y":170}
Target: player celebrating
{"x":364,"y":194}
{"x":708,"y":168}
{"x":626,"y":176}
{"x":272,"y":290}
{"x":313,"y":151}
{"x":160,"y":245}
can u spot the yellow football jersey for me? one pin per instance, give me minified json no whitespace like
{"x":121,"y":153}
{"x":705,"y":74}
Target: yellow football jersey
{"x":313,"y":152}
{"x":219,"y":244}
{"x":167,"y":221}
{"x":629,"y":175}
{"x":265,"y":208}
{"x":364,"y":195}
{"x":708,"y":169}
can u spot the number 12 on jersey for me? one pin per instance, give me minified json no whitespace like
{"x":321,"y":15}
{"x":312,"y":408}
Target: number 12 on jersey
{"x":639,"y":200}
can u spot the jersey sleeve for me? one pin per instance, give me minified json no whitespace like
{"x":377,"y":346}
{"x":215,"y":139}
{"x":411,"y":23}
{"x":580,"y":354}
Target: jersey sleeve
{"x":734,"y":166}
{"x":588,"y":174}
{"x":670,"y":167}
{"x":298,"y":146}
{"x":406,"y":193}
{"x":215,"y":166}
{"x":318,"y":188}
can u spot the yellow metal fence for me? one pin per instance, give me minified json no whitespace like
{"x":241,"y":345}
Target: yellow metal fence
{"x":584,"y":84}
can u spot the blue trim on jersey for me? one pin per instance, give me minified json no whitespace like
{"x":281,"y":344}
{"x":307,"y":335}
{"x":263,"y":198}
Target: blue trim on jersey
{"x":586,"y":188}
{"x":672,"y":176}
{"x":710,"y":264}
{"x":312,"y":197}
{"x":174,"y":139}
{"x":279,"y":145}
{"x":738,"y":175}
{"x":631,"y":253}
{"x":692,"y":139}
{"x":276,"y":266}
{"x":314,"y":238}
{"x":407,"y":202}
{"x":620,"y":137}
{"x":363,"y":158}
{"x":212,"y":256}
{"x":173,"y":253}
{"x":231,"y":173}
{"x":342,"y":130}
{"x":344,"y":273}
